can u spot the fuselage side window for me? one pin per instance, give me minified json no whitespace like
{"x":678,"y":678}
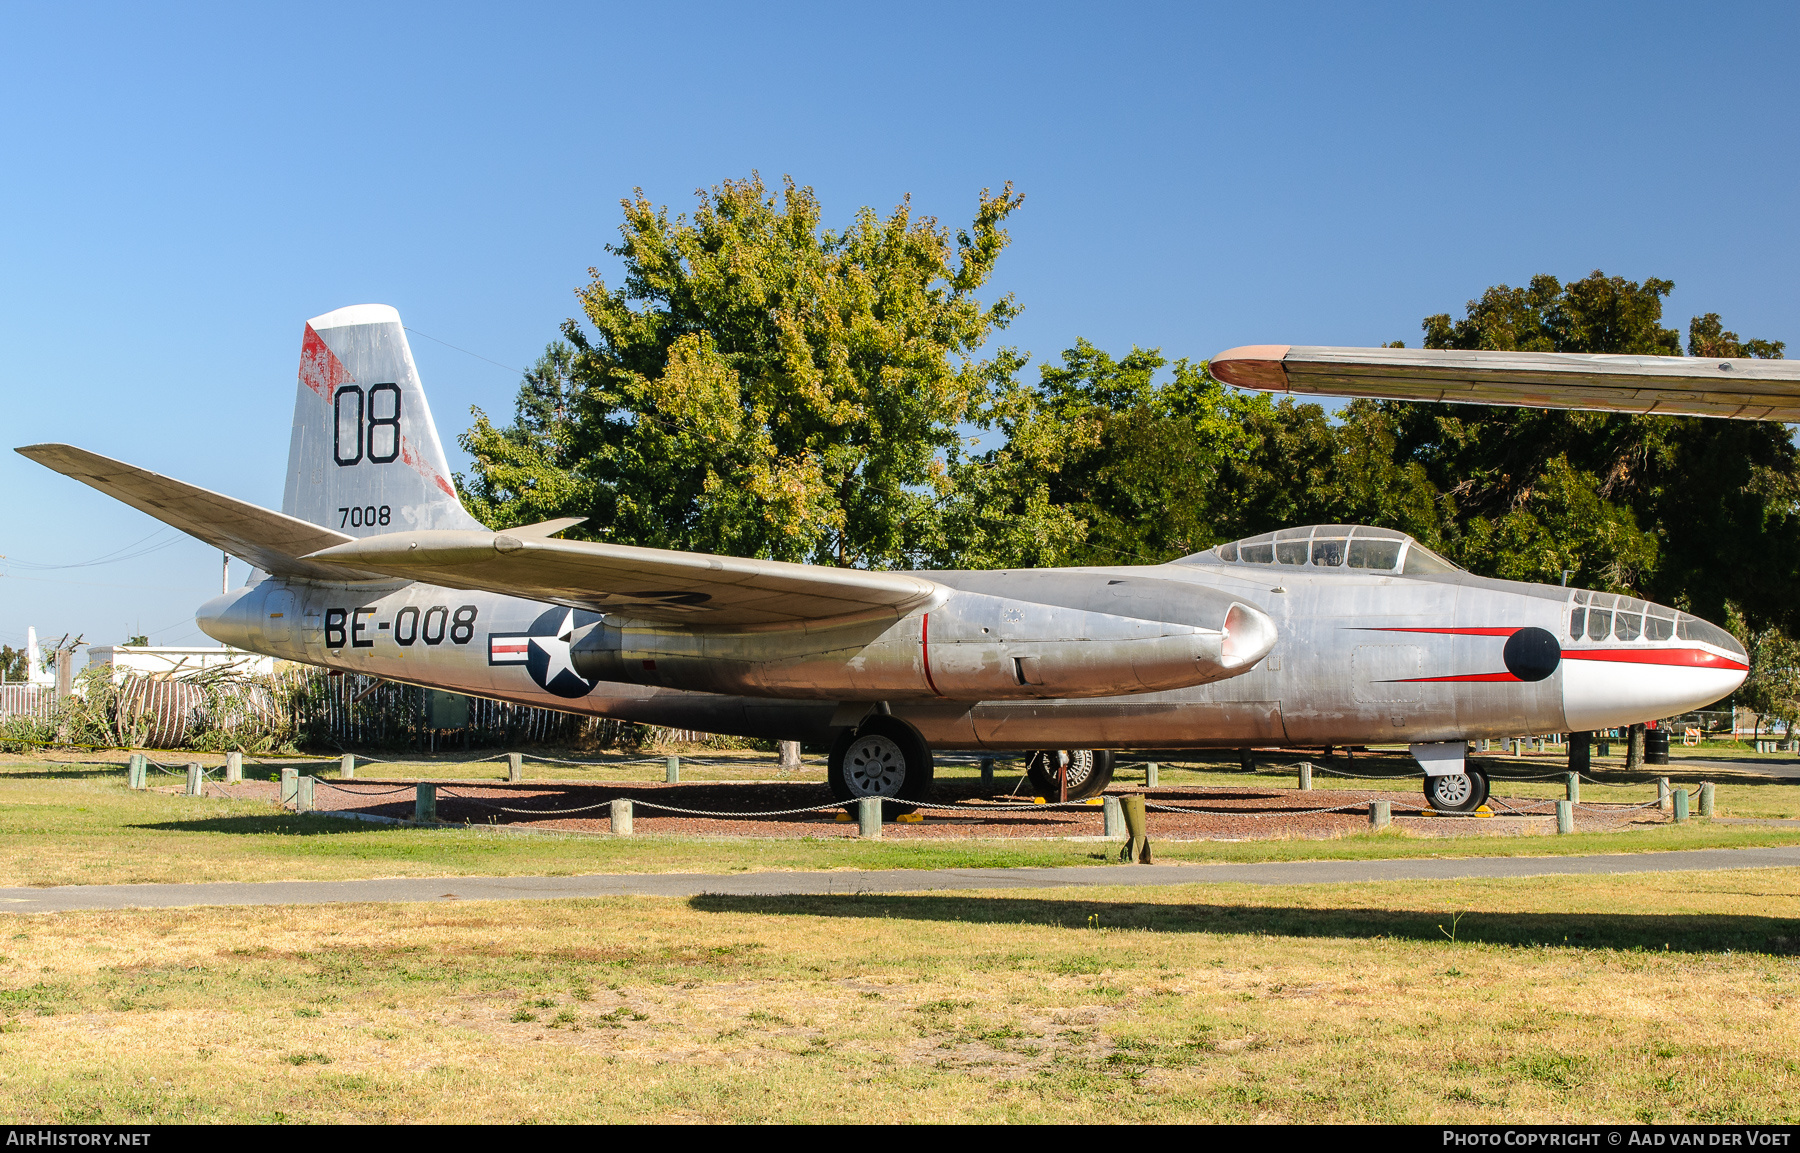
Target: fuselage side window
{"x":1329,"y":553}
{"x":1290,"y":552}
{"x":1577,"y":623}
{"x":1258,"y":553}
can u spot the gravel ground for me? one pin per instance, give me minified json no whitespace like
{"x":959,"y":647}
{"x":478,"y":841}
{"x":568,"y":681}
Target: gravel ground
{"x":1211,"y":814}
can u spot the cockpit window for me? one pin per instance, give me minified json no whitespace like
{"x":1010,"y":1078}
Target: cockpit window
{"x":1608,"y":617}
{"x":1694,"y":629}
{"x":1334,"y":546}
{"x":1377,"y":554}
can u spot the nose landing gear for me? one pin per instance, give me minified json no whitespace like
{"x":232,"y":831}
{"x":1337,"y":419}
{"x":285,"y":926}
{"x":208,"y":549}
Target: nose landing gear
{"x":1462,"y":792}
{"x":1089,"y":772}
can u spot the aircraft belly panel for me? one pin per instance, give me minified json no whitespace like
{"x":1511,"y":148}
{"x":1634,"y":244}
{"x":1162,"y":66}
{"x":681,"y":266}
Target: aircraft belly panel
{"x":1165,"y":722}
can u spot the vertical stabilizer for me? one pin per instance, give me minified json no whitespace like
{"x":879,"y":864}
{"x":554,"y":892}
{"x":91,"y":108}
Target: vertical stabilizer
{"x":365,"y":456}
{"x":35,"y":672}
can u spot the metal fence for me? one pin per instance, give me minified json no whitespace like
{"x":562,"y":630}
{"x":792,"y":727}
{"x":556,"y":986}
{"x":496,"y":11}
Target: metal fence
{"x":22,"y":700}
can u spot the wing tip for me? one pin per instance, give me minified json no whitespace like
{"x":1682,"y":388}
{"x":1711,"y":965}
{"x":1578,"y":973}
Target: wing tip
{"x":1255,"y":366}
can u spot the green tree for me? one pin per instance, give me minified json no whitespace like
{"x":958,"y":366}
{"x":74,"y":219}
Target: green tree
{"x":1687,"y":510}
{"x":761,"y":386}
{"x":1772,"y":687}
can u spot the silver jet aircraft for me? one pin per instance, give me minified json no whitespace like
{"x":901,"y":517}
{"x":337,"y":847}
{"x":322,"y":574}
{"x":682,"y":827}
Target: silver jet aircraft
{"x":1327,"y":634}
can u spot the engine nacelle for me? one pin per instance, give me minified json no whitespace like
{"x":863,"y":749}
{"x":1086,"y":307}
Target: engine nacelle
{"x":973,"y":647}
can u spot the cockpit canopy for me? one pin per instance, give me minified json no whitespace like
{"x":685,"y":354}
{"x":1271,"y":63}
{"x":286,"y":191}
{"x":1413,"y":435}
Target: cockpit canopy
{"x":1337,"y":547}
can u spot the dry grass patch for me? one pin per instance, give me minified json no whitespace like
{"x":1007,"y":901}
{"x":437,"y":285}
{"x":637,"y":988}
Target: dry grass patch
{"x":1671,"y":1000}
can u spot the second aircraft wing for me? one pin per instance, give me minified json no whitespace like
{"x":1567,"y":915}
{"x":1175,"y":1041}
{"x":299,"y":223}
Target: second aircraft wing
{"x":644,"y":584}
{"x":1666,"y":385}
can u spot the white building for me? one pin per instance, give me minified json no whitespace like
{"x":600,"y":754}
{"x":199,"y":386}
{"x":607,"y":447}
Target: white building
{"x":176,"y":661}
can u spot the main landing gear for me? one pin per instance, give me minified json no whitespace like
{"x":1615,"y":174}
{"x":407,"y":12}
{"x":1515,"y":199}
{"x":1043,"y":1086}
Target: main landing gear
{"x":1089,"y":772}
{"x":884,"y":757}
{"x":1462,"y":792}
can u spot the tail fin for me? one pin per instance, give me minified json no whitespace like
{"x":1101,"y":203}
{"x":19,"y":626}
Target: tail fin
{"x":365,"y":457}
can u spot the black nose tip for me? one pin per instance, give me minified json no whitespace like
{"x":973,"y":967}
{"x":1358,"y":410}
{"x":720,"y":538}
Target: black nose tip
{"x":1531,"y":654}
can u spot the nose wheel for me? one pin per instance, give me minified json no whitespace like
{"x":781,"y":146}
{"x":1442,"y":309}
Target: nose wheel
{"x":1462,"y":792}
{"x":1090,"y":771}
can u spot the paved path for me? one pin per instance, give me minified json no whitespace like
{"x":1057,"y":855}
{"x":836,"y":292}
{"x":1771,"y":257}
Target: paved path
{"x":1787,"y":770}
{"x":72,"y":897}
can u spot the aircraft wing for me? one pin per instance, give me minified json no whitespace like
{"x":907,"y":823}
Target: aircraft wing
{"x":644,"y":584}
{"x":269,"y":540}
{"x":1666,"y":385}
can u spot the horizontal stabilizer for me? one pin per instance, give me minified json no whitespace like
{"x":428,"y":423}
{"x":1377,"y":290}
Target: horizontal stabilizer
{"x":1666,"y":385}
{"x":269,"y":540}
{"x":644,"y":584}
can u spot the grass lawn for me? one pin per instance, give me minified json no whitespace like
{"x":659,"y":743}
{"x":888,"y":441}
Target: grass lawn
{"x":74,"y":824}
{"x":1654,"y":998}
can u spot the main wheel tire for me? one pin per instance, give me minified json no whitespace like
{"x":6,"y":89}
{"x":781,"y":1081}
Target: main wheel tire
{"x":1090,"y":771}
{"x":1462,"y":792}
{"x":883,"y":758}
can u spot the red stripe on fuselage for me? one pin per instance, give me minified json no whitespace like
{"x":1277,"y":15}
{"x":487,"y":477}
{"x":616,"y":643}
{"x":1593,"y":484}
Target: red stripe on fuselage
{"x":1681,"y":658}
{"x":925,"y":650}
{"x":1463,"y":677}
{"x":1463,"y":632}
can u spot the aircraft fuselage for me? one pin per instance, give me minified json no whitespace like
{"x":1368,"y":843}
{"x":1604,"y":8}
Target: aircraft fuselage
{"x":1359,"y":658}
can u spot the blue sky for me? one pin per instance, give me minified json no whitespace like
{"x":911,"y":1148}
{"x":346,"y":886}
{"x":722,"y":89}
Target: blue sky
{"x":181,"y":187}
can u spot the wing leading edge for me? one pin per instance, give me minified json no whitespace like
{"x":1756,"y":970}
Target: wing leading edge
{"x":271,"y":541}
{"x":646,"y":584}
{"x":1666,"y":385}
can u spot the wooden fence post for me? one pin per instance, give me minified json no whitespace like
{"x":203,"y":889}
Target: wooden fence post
{"x":1662,"y":794}
{"x":621,"y":817}
{"x":1306,"y":776}
{"x":1565,"y":816}
{"x":195,"y":782}
{"x":1706,"y":798}
{"x":868,"y":817}
{"x":290,"y":784}
{"x":347,"y":767}
{"x":1681,"y":805}
{"x":1381,"y":814}
{"x":1573,"y":782}
{"x":234,"y":768}
{"x":425,"y":802}
{"x":303,"y":795}
{"x":987,"y":770}
{"x":515,"y":767}
{"x":1150,"y":775}
{"x":672,"y":770}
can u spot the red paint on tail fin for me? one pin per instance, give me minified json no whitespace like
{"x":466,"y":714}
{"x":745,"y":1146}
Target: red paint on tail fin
{"x":320,"y":369}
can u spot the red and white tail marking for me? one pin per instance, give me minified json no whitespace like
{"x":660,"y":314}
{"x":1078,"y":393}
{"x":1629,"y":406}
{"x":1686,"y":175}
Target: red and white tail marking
{"x":320,"y":369}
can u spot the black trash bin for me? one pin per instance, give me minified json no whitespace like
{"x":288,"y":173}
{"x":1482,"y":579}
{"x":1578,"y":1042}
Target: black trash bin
{"x":1656,"y":746}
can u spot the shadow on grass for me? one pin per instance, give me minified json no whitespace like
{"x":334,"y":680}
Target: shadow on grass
{"x":287,"y":824}
{"x":1645,"y":932}
{"x":63,"y":773}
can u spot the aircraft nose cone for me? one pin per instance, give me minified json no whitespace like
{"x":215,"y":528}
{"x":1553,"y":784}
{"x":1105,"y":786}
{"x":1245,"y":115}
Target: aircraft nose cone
{"x":1612,"y":684}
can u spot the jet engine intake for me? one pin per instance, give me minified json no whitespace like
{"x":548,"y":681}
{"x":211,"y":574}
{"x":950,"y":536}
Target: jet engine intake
{"x":972,"y":647}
